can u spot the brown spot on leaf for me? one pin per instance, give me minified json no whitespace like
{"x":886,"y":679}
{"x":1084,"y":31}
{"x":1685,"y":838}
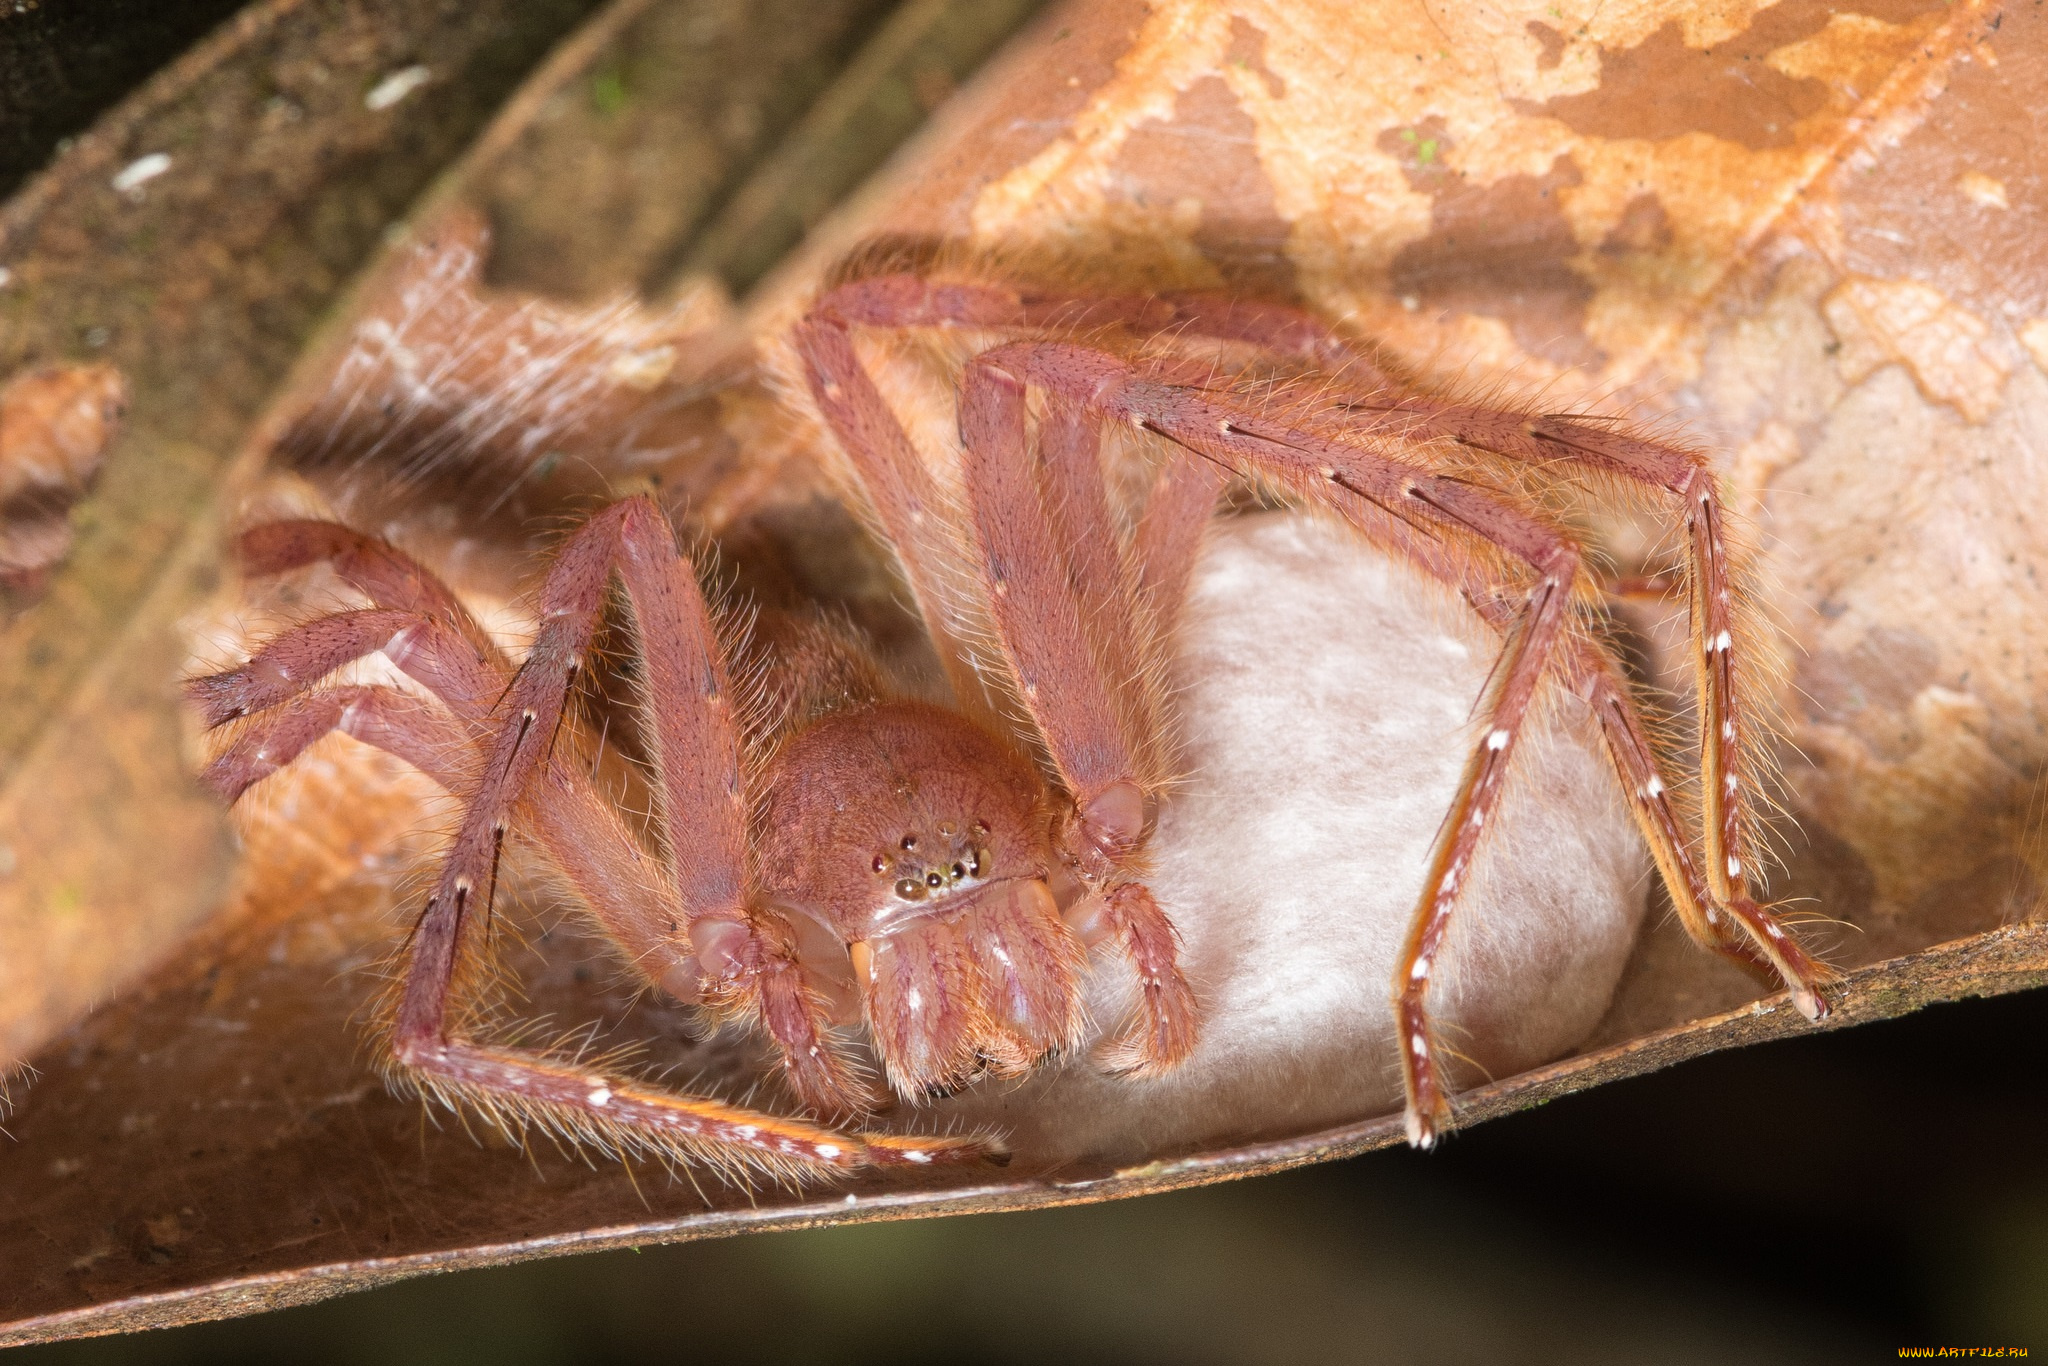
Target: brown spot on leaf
{"x":1502,"y":250}
{"x":1662,"y":88}
{"x":1421,"y":150}
{"x":1208,"y":155}
{"x":1644,"y":229}
{"x":1019,"y":121}
{"x":1248,"y":50}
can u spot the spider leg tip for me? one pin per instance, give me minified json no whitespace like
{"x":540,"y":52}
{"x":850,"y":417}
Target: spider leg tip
{"x":1814,"y":1006}
{"x":1421,"y":1131}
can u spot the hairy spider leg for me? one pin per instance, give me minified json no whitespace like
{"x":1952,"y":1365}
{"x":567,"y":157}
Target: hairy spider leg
{"x":1062,"y":512}
{"x":900,"y":491}
{"x":1596,"y":679}
{"x":1065,"y":620}
{"x":1168,"y":539}
{"x":373,"y":567}
{"x":513,"y":1088}
{"x":907,"y":300}
{"x":578,"y":822}
{"x":1717,"y":909}
{"x":696,"y":753}
{"x":1128,"y":604}
{"x":1099,"y":382}
{"x":1345,"y":476}
{"x":629,"y":892}
{"x":1728,"y":844}
{"x":1110,"y":787}
{"x":381,"y":717}
{"x":907,"y":503}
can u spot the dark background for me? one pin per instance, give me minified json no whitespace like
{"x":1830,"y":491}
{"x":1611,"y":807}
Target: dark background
{"x":1823,"y":1199}
{"x":63,"y":61}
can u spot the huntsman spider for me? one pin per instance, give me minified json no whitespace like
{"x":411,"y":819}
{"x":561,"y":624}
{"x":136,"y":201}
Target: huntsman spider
{"x":1043,"y":464}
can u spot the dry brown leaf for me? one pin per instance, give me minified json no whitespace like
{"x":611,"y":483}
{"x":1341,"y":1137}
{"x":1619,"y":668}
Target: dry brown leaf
{"x":200,"y":283}
{"x":1807,"y":235}
{"x":55,"y":424}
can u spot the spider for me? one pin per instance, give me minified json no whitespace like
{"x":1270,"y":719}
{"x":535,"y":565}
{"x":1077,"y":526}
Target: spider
{"x":1043,"y":463}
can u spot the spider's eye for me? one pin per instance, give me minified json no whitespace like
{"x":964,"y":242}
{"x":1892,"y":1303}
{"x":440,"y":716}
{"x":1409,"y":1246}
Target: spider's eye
{"x":974,"y":860}
{"x":909,"y":843}
{"x":948,"y":829}
{"x":934,"y":879}
{"x":959,"y":871}
{"x":881,"y":863}
{"x":910,"y":889}
{"x":981,"y":829}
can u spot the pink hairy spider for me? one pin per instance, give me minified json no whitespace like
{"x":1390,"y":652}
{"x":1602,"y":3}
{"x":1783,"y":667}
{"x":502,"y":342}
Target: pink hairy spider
{"x":940,"y":874}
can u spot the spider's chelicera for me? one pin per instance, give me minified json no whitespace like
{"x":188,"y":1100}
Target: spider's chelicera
{"x":940,"y":874}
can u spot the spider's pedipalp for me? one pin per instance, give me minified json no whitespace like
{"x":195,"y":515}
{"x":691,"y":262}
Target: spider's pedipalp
{"x":1168,"y":1020}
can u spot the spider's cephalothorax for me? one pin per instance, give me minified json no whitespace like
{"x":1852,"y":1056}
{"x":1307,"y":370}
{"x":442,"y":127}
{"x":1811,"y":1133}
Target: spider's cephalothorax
{"x":923,"y":846}
{"x":940,"y":873}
